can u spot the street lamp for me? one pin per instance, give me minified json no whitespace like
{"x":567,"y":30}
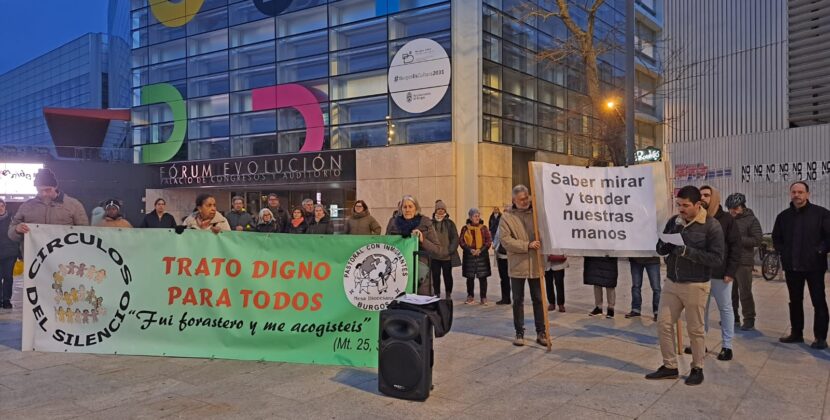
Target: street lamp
{"x":390,"y":130}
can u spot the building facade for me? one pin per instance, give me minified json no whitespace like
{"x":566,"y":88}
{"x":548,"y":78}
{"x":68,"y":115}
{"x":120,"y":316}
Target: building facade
{"x":368,"y":99}
{"x":754,"y":116}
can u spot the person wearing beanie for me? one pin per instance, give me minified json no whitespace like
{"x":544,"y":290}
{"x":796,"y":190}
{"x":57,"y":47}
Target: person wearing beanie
{"x":51,"y":207}
{"x":447,"y":258}
{"x":113,"y":216}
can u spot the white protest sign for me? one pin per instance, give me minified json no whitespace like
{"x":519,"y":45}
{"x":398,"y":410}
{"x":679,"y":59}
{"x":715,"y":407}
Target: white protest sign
{"x":599,"y":211}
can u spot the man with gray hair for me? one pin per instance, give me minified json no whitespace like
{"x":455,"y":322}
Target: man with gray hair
{"x":518,"y":236}
{"x":238,"y":217}
{"x":308,"y":208}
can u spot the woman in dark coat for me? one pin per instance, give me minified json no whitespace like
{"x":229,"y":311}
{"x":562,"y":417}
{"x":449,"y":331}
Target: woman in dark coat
{"x":475,"y":241}
{"x":320,"y":224}
{"x":601,"y":272}
{"x":298,"y":224}
{"x":266,"y":224}
{"x":409,"y":222}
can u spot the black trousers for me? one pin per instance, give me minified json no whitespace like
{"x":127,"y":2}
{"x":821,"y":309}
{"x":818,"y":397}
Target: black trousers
{"x":471,"y":286}
{"x":518,"y":286}
{"x":437,"y":267}
{"x":505,"y":279}
{"x":6,"y":274}
{"x":795,"y":287}
{"x":557,"y":277}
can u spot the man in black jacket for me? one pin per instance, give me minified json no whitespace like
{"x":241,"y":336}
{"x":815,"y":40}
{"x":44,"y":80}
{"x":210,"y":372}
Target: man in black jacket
{"x":751,"y":237}
{"x":688,"y":268}
{"x":802,"y":237}
{"x":723,"y":277}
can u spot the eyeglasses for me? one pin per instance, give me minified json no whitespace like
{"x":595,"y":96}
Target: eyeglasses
{"x":358,"y":206}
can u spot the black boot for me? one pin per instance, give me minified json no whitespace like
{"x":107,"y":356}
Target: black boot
{"x":663,"y":373}
{"x":725,"y":354}
{"x":695,"y":377}
{"x":792,"y":338}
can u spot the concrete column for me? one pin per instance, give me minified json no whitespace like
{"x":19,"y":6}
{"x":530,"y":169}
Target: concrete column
{"x":466,"y":101}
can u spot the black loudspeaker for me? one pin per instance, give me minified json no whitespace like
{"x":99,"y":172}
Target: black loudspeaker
{"x":405,"y":356}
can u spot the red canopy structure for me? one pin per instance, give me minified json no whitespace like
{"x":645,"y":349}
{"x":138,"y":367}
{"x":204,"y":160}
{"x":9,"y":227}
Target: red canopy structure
{"x":76,"y":127}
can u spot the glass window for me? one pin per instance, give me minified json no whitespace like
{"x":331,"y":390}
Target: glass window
{"x":166,"y":72}
{"x":517,"y":108}
{"x":253,"y":32}
{"x":139,"y":38}
{"x":519,"y":84}
{"x":252,"y":78}
{"x":138,"y":19}
{"x":360,"y":110}
{"x":519,"y":134}
{"x":300,"y":5}
{"x":357,"y":85}
{"x":207,"y":106}
{"x":208,"y":85}
{"x":159,"y":113}
{"x":550,"y":117}
{"x":208,"y":20}
{"x":360,"y":59}
{"x":140,"y":116}
{"x":410,"y":4}
{"x":347,"y":11}
{"x":166,"y":52}
{"x":491,"y":102}
{"x":302,"y":45}
{"x":519,"y":58}
{"x":160,"y":33}
{"x":551,"y":94}
{"x":291,"y":141}
{"x":206,"y":43}
{"x":159,"y":132}
{"x":291,"y":119}
{"x":419,"y":22}
{"x":254,"y":122}
{"x":261,"y":144}
{"x":140,"y":57}
{"x":519,"y":33}
{"x":207,"y":64}
{"x":358,"y":34}
{"x":552,"y":140}
{"x":360,"y":135}
{"x":241,"y":102}
{"x":491,"y":48}
{"x":303,"y":69}
{"x":208,"y":127}
{"x":492,"y":21}
{"x":491,"y":74}
{"x":242,"y":12}
{"x":253,"y":55}
{"x":552,"y":72}
{"x":208,"y":149}
{"x":491,"y":129}
{"x":423,"y":130}
{"x":141,"y":77}
{"x":137,"y":4}
{"x":303,"y":21}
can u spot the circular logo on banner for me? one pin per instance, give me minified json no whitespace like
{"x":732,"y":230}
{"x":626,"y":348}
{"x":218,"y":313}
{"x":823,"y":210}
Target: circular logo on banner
{"x":419,"y":75}
{"x":375,"y":274}
{"x":86,"y":299}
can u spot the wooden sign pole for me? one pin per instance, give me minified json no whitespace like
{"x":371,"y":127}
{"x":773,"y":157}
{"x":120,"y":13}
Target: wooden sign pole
{"x":539,"y":258}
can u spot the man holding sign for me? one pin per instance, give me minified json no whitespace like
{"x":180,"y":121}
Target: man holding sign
{"x":689,"y":268}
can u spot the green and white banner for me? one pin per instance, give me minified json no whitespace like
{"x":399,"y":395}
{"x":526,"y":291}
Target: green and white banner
{"x":235,"y":295}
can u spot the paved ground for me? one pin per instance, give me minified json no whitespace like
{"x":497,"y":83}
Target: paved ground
{"x":595,"y":371}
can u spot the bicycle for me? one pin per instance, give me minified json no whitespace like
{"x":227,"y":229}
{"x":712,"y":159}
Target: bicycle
{"x":770,"y":259}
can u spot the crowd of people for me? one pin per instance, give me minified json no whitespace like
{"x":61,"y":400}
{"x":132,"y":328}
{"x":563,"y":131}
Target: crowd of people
{"x":715,"y":260}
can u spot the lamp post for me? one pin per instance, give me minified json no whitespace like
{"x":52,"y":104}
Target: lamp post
{"x":390,"y":130}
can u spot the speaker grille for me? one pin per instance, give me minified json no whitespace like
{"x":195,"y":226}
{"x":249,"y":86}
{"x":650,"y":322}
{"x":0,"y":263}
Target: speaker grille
{"x":399,"y":366}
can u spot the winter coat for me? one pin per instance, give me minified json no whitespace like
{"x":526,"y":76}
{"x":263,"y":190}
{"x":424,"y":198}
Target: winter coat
{"x":242,"y":218}
{"x":732,"y":239}
{"x":802,"y":237}
{"x":64,"y":210}
{"x":429,"y":246}
{"x":362,"y":223}
{"x":323,"y":227}
{"x":192,"y":222}
{"x":280,"y":217}
{"x":152,"y":220}
{"x":515,"y":234}
{"x":703,"y":252}
{"x":600,"y":271}
{"x":8,"y":247}
{"x":447,"y":234}
{"x":115,"y":223}
{"x":751,"y":235}
{"x":475,"y":266}
{"x":493,"y":222}
{"x":267,"y":227}
{"x":301,"y":228}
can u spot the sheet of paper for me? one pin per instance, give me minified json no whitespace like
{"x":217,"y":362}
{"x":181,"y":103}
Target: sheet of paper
{"x":417,"y":299}
{"x":672,"y":238}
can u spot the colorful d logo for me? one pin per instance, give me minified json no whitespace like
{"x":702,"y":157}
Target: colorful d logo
{"x":167,"y":94}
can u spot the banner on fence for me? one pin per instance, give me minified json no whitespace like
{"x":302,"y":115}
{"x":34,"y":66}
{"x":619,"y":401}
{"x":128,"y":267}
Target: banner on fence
{"x":235,"y":295}
{"x":599,"y":211}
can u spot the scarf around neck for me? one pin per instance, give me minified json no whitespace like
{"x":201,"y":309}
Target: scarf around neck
{"x":297,"y":222}
{"x":473,"y":237}
{"x":405,"y":227}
